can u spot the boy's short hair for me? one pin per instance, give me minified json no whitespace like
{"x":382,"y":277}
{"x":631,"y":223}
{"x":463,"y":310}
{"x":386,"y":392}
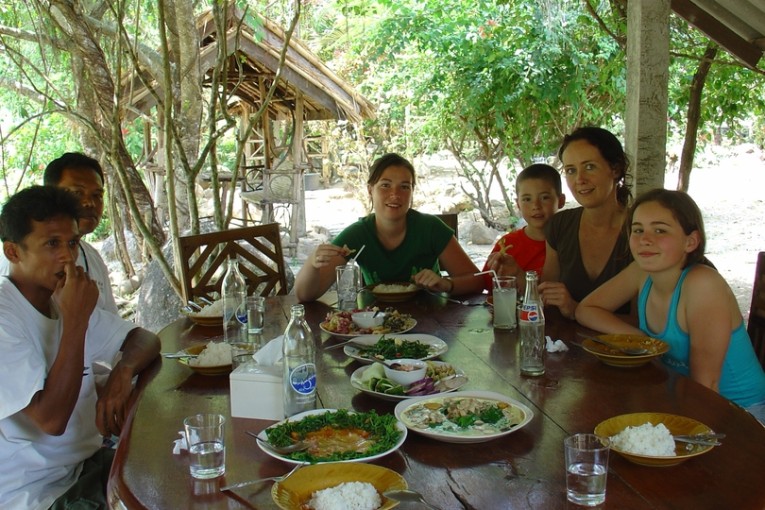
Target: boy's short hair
{"x":543,"y":172}
{"x":38,"y":203}
{"x":72,"y":160}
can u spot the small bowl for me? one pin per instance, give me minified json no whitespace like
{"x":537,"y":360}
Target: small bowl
{"x":367,"y":320}
{"x":416,"y":371}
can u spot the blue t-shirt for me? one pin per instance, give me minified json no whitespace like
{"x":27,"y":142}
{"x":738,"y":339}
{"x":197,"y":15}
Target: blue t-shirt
{"x":742,"y":379}
{"x":425,"y":240}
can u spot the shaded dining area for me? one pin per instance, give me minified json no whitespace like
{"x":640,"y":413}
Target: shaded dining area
{"x":523,"y":469}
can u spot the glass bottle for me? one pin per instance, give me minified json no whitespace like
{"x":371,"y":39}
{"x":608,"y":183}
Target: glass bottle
{"x":234,"y":291}
{"x":532,"y":329}
{"x":299,"y":365}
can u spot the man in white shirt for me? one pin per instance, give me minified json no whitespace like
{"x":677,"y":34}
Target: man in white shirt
{"x":82,"y":176}
{"x":52,"y":416}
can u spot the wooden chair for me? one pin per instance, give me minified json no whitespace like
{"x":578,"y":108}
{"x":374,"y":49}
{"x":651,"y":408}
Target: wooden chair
{"x":451,"y":221}
{"x":756,"y":327}
{"x":261,"y":261}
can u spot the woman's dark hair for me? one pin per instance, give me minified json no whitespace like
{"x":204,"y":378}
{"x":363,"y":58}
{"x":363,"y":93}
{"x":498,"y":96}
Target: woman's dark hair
{"x":383,"y":162}
{"x":38,"y":203}
{"x":611,"y":150}
{"x":684,"y":210}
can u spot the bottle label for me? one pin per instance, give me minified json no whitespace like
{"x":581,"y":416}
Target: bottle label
{"x":241,"y":314}
{"x":303,"y":379}
{"x":530,"y":312}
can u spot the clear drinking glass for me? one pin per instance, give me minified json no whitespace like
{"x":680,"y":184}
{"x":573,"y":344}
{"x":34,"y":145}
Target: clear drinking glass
{"x":505,"y":296}
{"x":205,"y":439}
{"x":586,"y":469}
{"x":256,"y":315}
{"x":348,"y":278}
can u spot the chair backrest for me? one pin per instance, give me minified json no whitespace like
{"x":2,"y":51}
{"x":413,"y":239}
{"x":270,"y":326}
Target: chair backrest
{"x":261,"y":261}
{"x":451,"y":221}
{"x":756,"y":326}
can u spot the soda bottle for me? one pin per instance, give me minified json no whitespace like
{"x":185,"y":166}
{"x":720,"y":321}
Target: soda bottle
{"x":299,"y":365}
{"x":234,"y":292}
{"x":532,"y":329}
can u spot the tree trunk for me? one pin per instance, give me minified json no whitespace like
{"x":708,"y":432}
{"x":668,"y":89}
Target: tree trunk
{"x":694,"y":114}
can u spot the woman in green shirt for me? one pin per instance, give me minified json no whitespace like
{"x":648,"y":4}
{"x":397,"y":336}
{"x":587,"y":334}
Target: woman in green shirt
{"x":400,"y":244}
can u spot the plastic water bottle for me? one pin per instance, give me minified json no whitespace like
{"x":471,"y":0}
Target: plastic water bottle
{"x":532,"y":329}
{"x":299,"y":365}
{"x":234,"y":292}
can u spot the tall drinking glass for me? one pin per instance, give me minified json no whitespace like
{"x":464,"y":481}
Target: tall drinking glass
{"x":505,"y":297}
{"x":348,"y":282}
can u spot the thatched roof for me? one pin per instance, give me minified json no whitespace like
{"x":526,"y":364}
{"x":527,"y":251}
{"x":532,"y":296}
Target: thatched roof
{"x":253,"y":60}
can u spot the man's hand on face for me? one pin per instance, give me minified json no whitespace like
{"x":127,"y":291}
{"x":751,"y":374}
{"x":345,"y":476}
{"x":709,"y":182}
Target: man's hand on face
{"x":76,"y":294}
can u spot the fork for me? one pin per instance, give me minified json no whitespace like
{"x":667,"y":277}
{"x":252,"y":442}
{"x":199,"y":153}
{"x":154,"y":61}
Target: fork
{"x":259,"y":480}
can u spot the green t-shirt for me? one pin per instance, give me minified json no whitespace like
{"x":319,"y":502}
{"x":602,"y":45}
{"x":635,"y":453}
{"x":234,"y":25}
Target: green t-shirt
{"x":426,"y":237}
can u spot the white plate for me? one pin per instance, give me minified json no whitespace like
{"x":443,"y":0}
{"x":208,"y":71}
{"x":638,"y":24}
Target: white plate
{"x":356,"y":383}
{"x":298,"y":416}
{"x":455,"y":437}
{"x":437,"y":346}
{"x":411,"y":323}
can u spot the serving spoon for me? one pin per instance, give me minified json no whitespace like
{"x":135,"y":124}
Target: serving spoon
{"x":408,"y":496}
{"x":282,"y":450}
{"x":629,"y":351}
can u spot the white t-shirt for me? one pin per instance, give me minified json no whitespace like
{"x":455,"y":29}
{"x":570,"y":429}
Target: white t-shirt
{"x":36,"y":468}
{"x":90,"y":260}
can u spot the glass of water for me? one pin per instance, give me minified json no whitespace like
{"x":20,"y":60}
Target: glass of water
{"x":504,"y":298}
{"x":348,"y":283}
{"x":586,"y":468}
{"x":256,"y":315}
{"x":205,"y":439}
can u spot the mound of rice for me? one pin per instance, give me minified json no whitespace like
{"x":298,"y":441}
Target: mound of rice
{"x":215,"y":354}
{"x":346,"y":496}
{"x":213,"y":310}
{"x":645,"y":439}
{"x":394,"y":288}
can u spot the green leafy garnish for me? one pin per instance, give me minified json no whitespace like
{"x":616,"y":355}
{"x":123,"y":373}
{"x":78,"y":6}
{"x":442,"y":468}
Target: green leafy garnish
{"x":491,"y":415}
{"x":392,"y":348}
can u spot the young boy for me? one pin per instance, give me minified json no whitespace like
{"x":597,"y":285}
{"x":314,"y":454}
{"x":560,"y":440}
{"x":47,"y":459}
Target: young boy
{"x":539,"y":195}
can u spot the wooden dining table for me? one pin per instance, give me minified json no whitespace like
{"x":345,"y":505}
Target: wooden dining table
{"x":524,"y":469}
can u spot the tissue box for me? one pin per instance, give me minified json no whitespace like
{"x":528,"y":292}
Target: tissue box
{"x":256,"y":392}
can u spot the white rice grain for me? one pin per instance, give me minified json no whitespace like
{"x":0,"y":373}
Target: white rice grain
{"x":346,"y":496}
{"x":645,"y":439}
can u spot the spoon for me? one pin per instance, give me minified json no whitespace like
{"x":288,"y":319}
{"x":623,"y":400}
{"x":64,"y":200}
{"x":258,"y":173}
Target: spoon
{"x":282,"y":450}
{"x":341,"y":344}
{"x":178,"y":355}
{"x":700,"y":439}
{"x":251,"y":482}
{"x":194,"y":305}
{"x":408,"y":496}
{"x":629,"y":351}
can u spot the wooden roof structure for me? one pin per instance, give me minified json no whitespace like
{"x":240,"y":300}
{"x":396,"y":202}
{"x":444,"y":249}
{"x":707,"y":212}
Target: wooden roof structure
{"x":254,"y":56}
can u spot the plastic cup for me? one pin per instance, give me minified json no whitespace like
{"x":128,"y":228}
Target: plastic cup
{"x":205,"y":440}
{"x":586,"y":469}
{"x":505,"y":297}
{"x":347,"y":286}
{"x":256,"y":315}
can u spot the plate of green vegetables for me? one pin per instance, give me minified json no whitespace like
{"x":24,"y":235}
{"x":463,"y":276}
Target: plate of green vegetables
{"x":367,"y":348}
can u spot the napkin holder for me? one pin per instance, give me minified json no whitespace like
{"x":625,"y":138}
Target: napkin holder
{"x":256,"y":392}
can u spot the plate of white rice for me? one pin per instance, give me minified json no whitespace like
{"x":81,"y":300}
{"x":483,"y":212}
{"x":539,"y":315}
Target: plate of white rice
{"x":338,"y":486}
{"x":394,"y":292}
{"x":646,"y":438}
{"x":210,"y":315}
{"x":214,"y":357}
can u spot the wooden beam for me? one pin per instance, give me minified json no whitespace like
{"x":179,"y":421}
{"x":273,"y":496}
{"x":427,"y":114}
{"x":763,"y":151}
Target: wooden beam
{"x":739,"y":47}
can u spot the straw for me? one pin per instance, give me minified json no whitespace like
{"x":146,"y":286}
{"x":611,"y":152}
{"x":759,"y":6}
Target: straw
{"x":492,"y":273}
{"x":358,"y":253}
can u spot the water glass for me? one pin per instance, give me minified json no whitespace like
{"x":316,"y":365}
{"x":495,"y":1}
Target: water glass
{"x":256,"y":315}
{"x":348,"y":278}
{"x":205,"y":440}
{"x":586,"y":469}
{"x":505,"y":297}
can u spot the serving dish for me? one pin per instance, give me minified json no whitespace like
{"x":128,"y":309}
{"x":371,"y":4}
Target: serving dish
{"x":677,"y":425}
{"x":436,"y":346}
{"x":404,"y":322}
{"x":236,"y":349}
{"x":517,"y":414}
{"x":205,"y":320}
{"x":326,"y":417}
{"x":615,"y":358}
{"x":296,"y":490}
{"x":457,"y":382}
{"x":393,"y":297}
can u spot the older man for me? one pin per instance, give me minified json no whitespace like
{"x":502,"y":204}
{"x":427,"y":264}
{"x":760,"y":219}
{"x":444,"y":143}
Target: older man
{"x":82,"y":176}
{"x":52,"y":418}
